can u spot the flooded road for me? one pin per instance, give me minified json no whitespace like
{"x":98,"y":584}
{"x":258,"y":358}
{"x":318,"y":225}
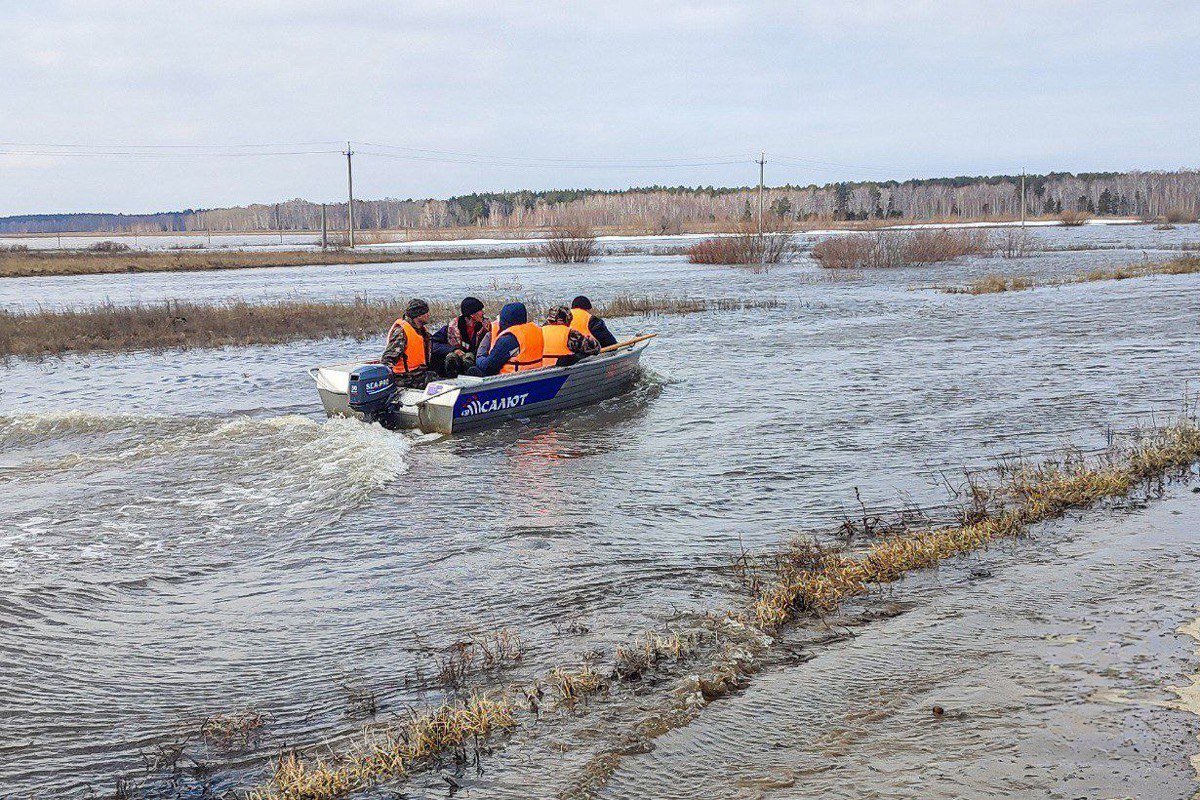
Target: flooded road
{"x":185,"y":534}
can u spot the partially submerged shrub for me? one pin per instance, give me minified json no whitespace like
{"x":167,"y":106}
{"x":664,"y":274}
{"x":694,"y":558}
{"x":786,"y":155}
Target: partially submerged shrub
{"x":109,"y":246}
{"x":1015,"y":243}
{"x":570,"y":244}
{"x":1180,"y":215}
{"x":743,"y":248}
{"x":889,"y":249}
{"x":1073,"y":218}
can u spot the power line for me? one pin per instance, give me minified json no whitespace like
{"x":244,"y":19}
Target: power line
{"x":149,"y":155}
{"x":478,"y":161}
{"x":115,"y":146}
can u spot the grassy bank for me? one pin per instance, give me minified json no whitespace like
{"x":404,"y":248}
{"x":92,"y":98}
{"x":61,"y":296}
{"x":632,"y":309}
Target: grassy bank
{"x":994,"y":284}
{"x":182,"y":325}
{"x":34,"y":263}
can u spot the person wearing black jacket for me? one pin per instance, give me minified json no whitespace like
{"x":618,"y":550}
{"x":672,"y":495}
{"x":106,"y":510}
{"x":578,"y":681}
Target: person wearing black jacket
{"x":455,"y":344}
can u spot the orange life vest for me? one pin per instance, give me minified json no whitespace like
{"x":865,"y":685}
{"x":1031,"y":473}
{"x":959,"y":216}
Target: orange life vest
{"x":529,"y":348}
{"x":414,"y":348}
{"x":580,"y":320}
{"x":554,"y":347}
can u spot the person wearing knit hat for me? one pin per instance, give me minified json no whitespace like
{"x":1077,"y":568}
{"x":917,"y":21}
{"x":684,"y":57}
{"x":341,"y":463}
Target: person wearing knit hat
{"x":455,"y":344}
{"x":407,"y":350}
{"x":584,"y":321}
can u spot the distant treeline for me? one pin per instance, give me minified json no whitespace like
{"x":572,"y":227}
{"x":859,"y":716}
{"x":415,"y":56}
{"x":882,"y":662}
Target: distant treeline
{"x":667,"y":209}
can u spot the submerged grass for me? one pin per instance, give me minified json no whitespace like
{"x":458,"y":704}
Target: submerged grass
{"x":388,"y":752}
{"x":808,"y":578}
{"x":231,"y":729}
{"x":991,"y":284}
{"x":19,"y":263}
{"x":180,"y":324}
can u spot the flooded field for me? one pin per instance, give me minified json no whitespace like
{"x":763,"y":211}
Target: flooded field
{"x":184,"y":534}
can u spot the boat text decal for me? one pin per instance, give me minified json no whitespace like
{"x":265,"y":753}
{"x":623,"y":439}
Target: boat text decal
{"x":508,"y":397}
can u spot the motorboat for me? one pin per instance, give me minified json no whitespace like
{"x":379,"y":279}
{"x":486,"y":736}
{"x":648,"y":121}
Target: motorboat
{"x":366,"y":391}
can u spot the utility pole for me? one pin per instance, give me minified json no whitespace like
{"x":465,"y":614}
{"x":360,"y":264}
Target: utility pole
{"x":324,"y":229}
{"x":1022,"y":198}
{"x":350,"y":190}
{"x":762,"y":245}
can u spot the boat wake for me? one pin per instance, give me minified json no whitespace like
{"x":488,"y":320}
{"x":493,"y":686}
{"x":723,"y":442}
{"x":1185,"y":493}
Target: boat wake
{"x":100,"y":491}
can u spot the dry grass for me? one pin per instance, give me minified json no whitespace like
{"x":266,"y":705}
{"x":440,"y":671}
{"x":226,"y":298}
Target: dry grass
{"x":232,"y":729}
{"x":480,"y":654}
{"x":387,"y":753}
{"x":991,"y":284}
{"x":647,"y":651}
{"x":571,"y":244}
{"x":177,"y":324}
{"x":807,"y":578}
{"x":891,"y":249}
{"x":574,"y":686}
{"x":32,"y":263}
{"x":1177,"y":216}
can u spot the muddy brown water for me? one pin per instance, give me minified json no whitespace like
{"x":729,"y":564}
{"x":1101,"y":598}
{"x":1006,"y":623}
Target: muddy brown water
{"x":184,"y":534}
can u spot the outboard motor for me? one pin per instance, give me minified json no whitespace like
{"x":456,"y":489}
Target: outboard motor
{"x":371,"y":392}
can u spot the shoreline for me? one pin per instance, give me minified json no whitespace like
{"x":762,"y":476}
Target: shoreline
{"x":18,"y":260}
{"x":183,"y":325}
{"x":47,"y":264}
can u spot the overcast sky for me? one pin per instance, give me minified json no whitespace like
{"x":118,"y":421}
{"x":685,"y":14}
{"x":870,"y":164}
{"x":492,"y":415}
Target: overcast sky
{"x":563,"y":94}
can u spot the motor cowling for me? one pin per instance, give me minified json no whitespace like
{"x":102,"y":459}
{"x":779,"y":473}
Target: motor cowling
{"x":371,"y":390}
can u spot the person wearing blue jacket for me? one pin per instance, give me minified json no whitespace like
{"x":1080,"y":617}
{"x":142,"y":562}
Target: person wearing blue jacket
{"x":494,"y":355}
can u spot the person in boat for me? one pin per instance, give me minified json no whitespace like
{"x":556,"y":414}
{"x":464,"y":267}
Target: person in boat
{"x":517,"y":346}
{"x":407,"y":351}
{"x":563,"y":345}
{"x":587,"y":323}
{"x":455,"y":345}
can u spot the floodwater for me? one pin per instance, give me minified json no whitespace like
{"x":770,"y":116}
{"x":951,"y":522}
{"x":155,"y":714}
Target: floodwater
{"x":1062,"y":667}
{"x":184,"y":534}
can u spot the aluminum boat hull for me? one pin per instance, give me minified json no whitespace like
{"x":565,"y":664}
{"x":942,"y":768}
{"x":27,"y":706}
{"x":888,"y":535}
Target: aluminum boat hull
{"x":467,"y":403}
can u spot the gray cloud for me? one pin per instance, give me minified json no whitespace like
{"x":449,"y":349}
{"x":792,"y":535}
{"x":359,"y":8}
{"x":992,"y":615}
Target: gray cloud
{"x":869,"y":89}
